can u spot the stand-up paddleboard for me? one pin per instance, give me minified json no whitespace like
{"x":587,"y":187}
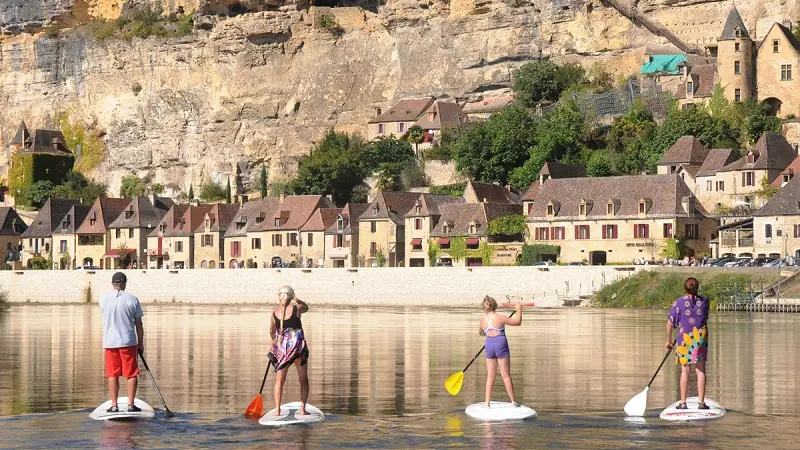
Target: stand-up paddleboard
{"x":499,"y":411}
{"x":290,"y":415}
{"x":101,"y":413}
{"x":715,"y":410}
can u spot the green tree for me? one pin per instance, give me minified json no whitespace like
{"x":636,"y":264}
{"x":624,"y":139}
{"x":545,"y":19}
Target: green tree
{"x":38,"y":193}
{"x":416,"y":135}
{"x":132,"y":186}
{"x":334,"y":167}
{"x":228,"y":191}
{"x":191,"y":192}
{"x":599,"y":165}
{"x":262,"y":182}
{"x":766,"y":191}
{"x":383,"y":150}
{"x":536,"y":81}
{"x":511,"y":225}
{"x":77,"y":187}
{"x":157,"y":188}
{"x":212,"y":192}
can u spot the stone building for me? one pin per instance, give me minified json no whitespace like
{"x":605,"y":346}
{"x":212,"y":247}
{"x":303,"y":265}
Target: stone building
{"x":422,"y":219}
{"x":129,"y":231}
{"x":172,"y":243}
{"x":381,"y":228}
{"x":65,"y":241}
{"x":209,"y":237}
{"x":341,"y":239}
{"x":776,"y":226}
{"x":93,"y":234}
{"x":37,"y":239}
{"x":550,"y":170}
{"x":312,"y":233}
{"x":11,"y":227}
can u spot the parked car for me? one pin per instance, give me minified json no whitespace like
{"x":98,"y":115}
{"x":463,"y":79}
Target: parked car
{"x":762,"y":261}
{"x":777,"y":263}
{"x":87,"y":268}
{"x":722,"y":262}
{"x":578,"y":263}
{"x":276,"y":262}
{"x":545,"y":263}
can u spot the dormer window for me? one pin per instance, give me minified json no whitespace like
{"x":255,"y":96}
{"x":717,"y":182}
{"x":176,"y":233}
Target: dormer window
{"x":550,"y":210}
{"x":66,"y":222}
{"x":751,"y":158}
{"x":644,"y":206}
{"x":473,"y":228}
{"x":375,"y":210}
{"x":445,"y":228}
{"x":738,"y":33}
{"x":418,"y":207}
{"x":582,"y":209}
{"x":278,"y":222}
{"x":162,"y":227}
{"x":208,"y":223}
{"x":689,"y":88}
{"x":129,"y":213}
{"x":610,"y":208}
{"x":340,"y":223}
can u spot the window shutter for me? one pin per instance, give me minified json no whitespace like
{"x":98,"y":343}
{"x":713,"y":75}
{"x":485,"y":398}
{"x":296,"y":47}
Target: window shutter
{"x":615,"y":231}
{"x":646,"y":230}
{"x":604,"y":232}
{"x":743,"y":178}
{"x":635,"y":231}
{"x":577,"y":235}
{"x":588,"y":236}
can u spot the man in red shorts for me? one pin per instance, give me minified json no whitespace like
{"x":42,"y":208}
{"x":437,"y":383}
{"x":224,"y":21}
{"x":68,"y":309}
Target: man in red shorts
{"x":123,"y":337}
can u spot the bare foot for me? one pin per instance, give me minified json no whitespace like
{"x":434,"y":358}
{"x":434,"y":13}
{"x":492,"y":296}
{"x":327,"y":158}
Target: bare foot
{"x":488,"y":404}
{"x":277,"y":411}
{"x":302,"y":412}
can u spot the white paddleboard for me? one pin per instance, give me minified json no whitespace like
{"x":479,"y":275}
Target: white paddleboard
{"x":290,"y":415}
{"x":499,"y":411}
{"x":101,"y":413}
{"x":715,"y":411}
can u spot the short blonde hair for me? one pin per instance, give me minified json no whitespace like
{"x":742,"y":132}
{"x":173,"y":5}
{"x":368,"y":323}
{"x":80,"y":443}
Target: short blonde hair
{"x":288,"y":290}
{"x":489,"y":304}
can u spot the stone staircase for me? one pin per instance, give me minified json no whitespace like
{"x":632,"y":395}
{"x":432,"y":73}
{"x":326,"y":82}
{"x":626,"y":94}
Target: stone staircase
{"x":638,"y":18}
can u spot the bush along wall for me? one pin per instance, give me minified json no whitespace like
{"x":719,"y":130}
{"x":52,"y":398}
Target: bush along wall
{"x":30,"y":168}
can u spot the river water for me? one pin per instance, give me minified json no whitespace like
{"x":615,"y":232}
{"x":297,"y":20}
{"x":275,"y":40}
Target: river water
{"x":378,"y":373}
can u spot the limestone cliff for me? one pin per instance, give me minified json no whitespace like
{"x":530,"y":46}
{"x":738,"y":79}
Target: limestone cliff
{"x":261,"y":87}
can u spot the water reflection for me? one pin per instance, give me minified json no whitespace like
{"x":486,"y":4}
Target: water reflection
{"x":387,"y":365}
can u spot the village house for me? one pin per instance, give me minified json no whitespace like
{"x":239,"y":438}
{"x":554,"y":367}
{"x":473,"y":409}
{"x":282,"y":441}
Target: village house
{"x":481,"y":110}
{"x":37,"y":239}
{"x":480,"y":192}
{"x":399,"y":118}
{"x":94,"y":237}
{"x":65,"y":241}
{"x":38,"y":156}
{"x":209,"y":237}
{"x":460,"y":236}
{"x":239,"y":249}
{"x":381,"y":229}
{"x":341,"y":238}
{"x":550,"y":170}
{"x":11,"y":228}
{"x":618,"y":219}
{"x":129,"y":231}
{"x":775,"y":228}
{"x":312,"y":233}
{"x":440,"y":116}
{"x":172,"y":244}
{"x":422,"y":218}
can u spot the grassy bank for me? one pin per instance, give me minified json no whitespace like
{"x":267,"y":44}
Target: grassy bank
{"x":659,"y":288}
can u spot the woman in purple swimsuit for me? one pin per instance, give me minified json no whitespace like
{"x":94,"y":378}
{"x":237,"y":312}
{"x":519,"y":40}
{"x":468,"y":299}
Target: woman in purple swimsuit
{"x":689,"y":314}
{"x":492,"y":326}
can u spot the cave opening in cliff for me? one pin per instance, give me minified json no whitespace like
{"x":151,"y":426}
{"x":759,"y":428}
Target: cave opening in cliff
{"x":369,"y":5}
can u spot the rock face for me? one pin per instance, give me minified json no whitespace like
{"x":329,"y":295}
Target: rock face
{"x":261,"y":88}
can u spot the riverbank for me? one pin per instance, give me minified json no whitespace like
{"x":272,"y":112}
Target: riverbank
{"x":433,"y":286}
{"x":660,"y":287}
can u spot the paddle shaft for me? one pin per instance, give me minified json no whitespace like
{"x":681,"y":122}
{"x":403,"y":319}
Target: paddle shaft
{"x":484,"y":348}
{"x":166,"y":408}
{"x":264,"y":380}
{"x":662,"y":363}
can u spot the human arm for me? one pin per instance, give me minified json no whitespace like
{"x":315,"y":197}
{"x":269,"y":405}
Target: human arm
{"x":481,"y":331}
{"x":302,"y":307}
{"x":272,"y":328}
{"x":137,"y":322}
{"x":514,"y":321}
{"x":672,"y":322}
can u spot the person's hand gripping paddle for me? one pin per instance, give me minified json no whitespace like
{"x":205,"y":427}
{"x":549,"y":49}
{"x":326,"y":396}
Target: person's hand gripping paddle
{"x":638,"y":404}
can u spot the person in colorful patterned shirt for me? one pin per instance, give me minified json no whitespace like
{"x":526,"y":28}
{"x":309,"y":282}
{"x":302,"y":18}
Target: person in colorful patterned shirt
{"x":689,"y":314}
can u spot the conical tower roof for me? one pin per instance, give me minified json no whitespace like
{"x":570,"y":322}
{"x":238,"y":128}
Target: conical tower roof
{"x":22,"y":134}
{"x":733,"y":22}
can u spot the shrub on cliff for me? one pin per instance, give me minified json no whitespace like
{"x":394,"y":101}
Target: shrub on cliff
{"x":212,"y":192}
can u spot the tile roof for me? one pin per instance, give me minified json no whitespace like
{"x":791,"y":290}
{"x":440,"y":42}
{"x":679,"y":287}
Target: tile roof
{"x":429,"y":204}
{"x":294,"y":211}
{"x":250,"y":216}
{"x":733,"y":21}
{"x":350,"y":210}
{"x":182,"y":220}
{"x":51,"y":142}
{"x":530,"y":193}
{"x":687,"y":150}
{"x":221,"y":215}
{"x":562,"y":170}
{"x":22,"y":134}
{"x":703,"y":79}
{"x":322,"y":219}
{"x":490,"y":192}
{"x":49,"y":217}
{"x":792,"y":170}
{"x":459,"y":216}
{"x":406,"y":110}
{"x":772,"y":151}
{"x":665,"y":192}
{"x":717,"y":159}
{"x":390,"y":205}
{"x":442,"y":115}
{"x":146,"y":213}
{"x":107,"y":210}
{"x":786,"y":201}
{"x":488,"y":104}
{"x":11,"y":224}
{"x":786,"y":32}
{"x":72,"y":219}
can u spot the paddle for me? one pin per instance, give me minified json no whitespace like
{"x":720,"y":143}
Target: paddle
{"x":638,"y":404}
{"x":454,"y":381}
{"x":256,"y":407}
{"x":167,"y":412}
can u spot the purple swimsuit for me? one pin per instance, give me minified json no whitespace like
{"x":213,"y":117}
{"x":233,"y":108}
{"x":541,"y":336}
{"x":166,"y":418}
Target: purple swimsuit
{"x":496,"y":346}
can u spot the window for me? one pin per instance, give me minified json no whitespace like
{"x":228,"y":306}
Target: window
{"x":738,"y":33}
{"x":472,"y":228}
{"x":236,"y":250}
{"x":381,"y":128}
{"x":558,"y":233}
{"x":709,"y":186}
{"x":691,"y":231}
{"x":118,"y":233}
{"x":416,"y":245}
{"x":277,"y":240}
{"x":63,"y":246}
{"x":549,"y":210}
{"x":473,"y":244}
{"x":641,"y":231}
{"x":609,"y":231}
{"x":737,"y":95}
{"x":530,"y":207}
{"x":278,"y":222}
{"x":768,"y":231}
{"x":255,"y":243}
{"x":797,"y":231}
{"x":748,"y":179}
{"x":737,"y":67}
{"x":310,"y":240}
{"x":208,"y":223}
{"x":786,"y":72}
{"x":338,"y":241}
{"x":642,"y":208}
{"x":775,"y":43}
{"x":541,"y":233}
{"x":373,"y":227}
{"x":392,"y":230}
{"x":92,"y":222}
{"x":130,"y":233}
{"x":737,"y":47}
{"x":373,"y":249}
{"x":129,"y":214}
{"x":8,"y":246}
{"x":179,"y":247}
{"x":208,"y":240}
{"x":787,"y":177}
{"x":340,"y":223}
{"x":610,"y":209}
{"x":667,"y":230}
{"x":581,"y":231}
{"x":689,"y":88}
{"x":720,"y":186}
{"x":401,"y":127}
{"x":417,"y":224}
{"x":291,"y":239}
{"x":66,"y":222}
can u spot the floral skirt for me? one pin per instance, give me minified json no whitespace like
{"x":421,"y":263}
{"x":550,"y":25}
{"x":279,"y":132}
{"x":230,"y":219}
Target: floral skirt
{"x":287,"y":348}
{"x":694,"y":347}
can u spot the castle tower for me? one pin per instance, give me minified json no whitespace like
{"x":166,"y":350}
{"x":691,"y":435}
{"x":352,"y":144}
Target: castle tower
{"x":735,"y":61}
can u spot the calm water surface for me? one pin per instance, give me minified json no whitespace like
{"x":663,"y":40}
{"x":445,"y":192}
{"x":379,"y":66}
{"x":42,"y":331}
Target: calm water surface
{"x":378,"y":373}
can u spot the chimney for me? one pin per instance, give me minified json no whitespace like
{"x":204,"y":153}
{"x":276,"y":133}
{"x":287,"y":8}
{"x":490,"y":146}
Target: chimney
{"x":508,"y":188}
{"x":152,"y":198}
{"x":688,"y":205}
{"x":242,"y":199}
{"x":787,"y":23}
{"x":283,"y":196}
{"x":329,"y":197}
{"x":55,"y":144}
{"x":484,"y":200}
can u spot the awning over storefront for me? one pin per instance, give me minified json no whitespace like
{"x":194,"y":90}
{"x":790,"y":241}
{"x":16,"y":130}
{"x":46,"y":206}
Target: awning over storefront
{"x":444,"y":241}
{"x":416,"y":241}
{"x":473,"y":241}
{"x":115,"y":253}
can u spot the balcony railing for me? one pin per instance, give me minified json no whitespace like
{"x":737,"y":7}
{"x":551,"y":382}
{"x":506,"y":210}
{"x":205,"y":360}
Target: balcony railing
{"x":733,"y":242}
{"x":746,"y":242}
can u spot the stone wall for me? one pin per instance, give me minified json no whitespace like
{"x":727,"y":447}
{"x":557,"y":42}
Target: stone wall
{"x":374,"y":286}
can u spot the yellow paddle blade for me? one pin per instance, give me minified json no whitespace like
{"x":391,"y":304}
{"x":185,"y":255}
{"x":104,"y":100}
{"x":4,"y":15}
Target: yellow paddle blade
{"x":453,"y":383}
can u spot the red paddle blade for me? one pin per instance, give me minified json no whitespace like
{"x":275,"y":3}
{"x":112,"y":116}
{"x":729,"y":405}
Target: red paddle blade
{"x":256,"y":408}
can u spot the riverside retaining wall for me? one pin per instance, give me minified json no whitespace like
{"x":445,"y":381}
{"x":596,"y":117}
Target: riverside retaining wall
{"x":363,"y":286}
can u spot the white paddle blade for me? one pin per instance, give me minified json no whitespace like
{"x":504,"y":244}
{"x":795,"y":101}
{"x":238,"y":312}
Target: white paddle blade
{"x":637,"y":405}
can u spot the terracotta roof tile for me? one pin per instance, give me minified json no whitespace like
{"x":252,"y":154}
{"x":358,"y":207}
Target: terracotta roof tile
{"x":562,"y":170}
{"x":446,"y":115}
{"x":791,"y":170}
{"x":11,"y":224}
{"x":350,"y":214}
{"x":785,"y":203}
{"x":49,"y":217}
{"x":322,"y":219}
{"x":687,"y":150}
{"x":717,"y":159}
{"x":492,"y":193}
{"x":406,"y":110}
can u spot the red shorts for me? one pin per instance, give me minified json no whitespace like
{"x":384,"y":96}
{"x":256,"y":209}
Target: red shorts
{"x":122,"y":362}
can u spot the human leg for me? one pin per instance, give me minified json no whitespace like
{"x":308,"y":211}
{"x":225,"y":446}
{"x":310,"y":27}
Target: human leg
{"x":491,"y":374}
{"x":505,"y":372}
{"x":302,"y":375}
{"x":280,"y":379}
{"x":113,"y":372}
{"x":684,"y":383}
{"x":133,"y":384}
{"x":700,"y":371}
{"x":113,"y":390}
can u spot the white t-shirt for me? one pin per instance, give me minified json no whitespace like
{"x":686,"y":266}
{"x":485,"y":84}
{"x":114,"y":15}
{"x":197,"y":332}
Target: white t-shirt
{"x":120,"y":309}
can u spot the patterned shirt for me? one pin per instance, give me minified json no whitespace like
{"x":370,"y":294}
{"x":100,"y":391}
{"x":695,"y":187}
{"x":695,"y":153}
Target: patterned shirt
{"x":689,"y":312}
